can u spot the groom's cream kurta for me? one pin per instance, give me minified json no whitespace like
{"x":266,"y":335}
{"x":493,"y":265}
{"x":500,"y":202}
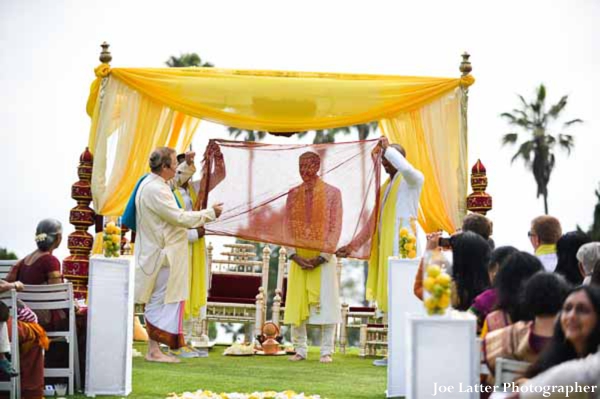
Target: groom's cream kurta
{"x":162,"y":237}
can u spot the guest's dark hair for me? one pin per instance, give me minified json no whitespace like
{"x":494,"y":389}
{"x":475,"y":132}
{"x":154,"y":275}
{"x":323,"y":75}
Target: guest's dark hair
{"x":559,"y":349}
{"x":566,"y":251}
{"x":544,"y":294}
{"x":511,"y":279}
{"x":470,"y":257}
{"x":47,"y":233}
{"x":477,"y":223}
{"x":499,"y":256}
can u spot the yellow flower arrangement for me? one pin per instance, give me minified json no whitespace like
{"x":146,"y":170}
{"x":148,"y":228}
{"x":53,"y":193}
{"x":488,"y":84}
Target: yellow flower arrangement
{"x":111,"y":240}
{"x":200,"y":394}
{"x":407,"y":244}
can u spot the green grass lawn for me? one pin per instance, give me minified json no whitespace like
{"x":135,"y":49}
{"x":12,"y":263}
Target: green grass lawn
{"x":348,"y":377}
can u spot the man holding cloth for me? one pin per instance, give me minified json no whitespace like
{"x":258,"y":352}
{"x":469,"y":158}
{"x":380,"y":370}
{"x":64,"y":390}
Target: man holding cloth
{"x":162,"y":250}
{"x":398,"y":208}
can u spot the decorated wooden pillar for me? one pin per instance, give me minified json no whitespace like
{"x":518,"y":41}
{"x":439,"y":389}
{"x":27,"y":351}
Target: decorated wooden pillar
{"x":80,"y":242}
{"x":479,"y":201}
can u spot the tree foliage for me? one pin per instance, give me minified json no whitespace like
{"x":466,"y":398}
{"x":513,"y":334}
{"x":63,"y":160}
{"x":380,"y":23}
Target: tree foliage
{"x":537,"y":152}
{"x":187,"y":60}
{"x":5,"y":254}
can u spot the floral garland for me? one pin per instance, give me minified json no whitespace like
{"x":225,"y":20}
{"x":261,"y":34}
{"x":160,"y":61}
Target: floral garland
{"x":200,"y":394}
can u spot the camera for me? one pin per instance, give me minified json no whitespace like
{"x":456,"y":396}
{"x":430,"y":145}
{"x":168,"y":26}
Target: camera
{"x":445,"y":242}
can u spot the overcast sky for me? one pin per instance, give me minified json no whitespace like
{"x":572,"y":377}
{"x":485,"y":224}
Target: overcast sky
{"x":50,"y":48}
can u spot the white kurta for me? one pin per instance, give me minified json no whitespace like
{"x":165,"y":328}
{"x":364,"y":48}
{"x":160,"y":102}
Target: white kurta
{"x":330,"y":310}
{"x":162,"y":239}
{"x":409,"y":192}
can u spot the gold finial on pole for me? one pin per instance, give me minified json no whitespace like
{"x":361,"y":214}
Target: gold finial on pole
{"x":105,"y":56}
{"x":465,"y":65}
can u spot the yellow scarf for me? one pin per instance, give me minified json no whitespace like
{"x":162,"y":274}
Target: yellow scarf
{"x":383,"y":247}
{"x":304,"y":286}
{"x":545,"y":249}
{"x":196,"y":268}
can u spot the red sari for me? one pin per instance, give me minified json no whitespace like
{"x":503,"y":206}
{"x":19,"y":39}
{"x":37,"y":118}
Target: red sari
{"x":32,"y":343}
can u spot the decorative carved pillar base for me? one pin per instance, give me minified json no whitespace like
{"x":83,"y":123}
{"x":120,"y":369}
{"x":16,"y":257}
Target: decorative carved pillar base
{"x":80,"y":242}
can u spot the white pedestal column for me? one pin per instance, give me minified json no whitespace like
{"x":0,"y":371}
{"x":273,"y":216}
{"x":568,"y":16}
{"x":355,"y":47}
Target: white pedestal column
{"x":401,"y":301}
{"x":110,"y":326}
{"x":443,"y":357}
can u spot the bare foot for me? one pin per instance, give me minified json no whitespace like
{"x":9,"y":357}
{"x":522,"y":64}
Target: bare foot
{"x":326,"y":359}
{"x":296,"y":358}
{"x":161,"y":358}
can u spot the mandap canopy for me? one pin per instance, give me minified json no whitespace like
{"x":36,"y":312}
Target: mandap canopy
{"x":134,"y":110}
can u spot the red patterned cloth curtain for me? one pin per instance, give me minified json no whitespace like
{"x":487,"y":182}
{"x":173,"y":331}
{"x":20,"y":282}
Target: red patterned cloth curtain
{"x":317,"y":197}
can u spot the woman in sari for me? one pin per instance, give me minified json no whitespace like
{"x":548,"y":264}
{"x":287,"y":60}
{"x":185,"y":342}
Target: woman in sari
{"x":510,"y":280}
{"x":576,"y":337}
{"x":525,"y":340}
{"x":485,"y":302}
{"x":41,"y":267}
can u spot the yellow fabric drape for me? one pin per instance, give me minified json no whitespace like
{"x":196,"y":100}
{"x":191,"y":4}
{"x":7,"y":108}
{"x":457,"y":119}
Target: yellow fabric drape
{"x":383,"y":247}
{"x":282,"y":101}
{"x":436,"y":146}
{"x":128,"y":128}
{"x":141,"y":109}
{"x":196,"y":269}
{"x":304,"y":290}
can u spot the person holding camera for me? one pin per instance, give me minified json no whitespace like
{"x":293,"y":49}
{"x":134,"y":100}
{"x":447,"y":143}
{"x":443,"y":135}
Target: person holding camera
{"x":470,"y":257}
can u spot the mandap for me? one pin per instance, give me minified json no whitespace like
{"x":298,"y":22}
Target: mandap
{"x":134,"y":110}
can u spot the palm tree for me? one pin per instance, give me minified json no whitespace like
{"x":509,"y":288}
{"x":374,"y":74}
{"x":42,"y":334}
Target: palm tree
{"x":187,"y":60}
{"x":538,"y":151}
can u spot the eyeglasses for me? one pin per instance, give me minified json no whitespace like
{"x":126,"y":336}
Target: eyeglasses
{"x":530,"y":234}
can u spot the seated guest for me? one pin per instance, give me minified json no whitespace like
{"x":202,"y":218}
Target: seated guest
{"x":41,"y":267}
{"x":470,"y":255}
{"x":566,"y":251}
{"x":32,"y":343}
{"x":588,"y":256}
{"x":510,"y":280}
{"x":544,"y":233}
{"x":576,"y":335}
{"x":543,"y":298}
{"x":485,"y":302}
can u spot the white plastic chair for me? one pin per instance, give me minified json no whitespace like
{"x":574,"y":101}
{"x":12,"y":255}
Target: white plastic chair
{"x":52,"y":297}
{"x":5,"y":266}
{"x":14,"y":384}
